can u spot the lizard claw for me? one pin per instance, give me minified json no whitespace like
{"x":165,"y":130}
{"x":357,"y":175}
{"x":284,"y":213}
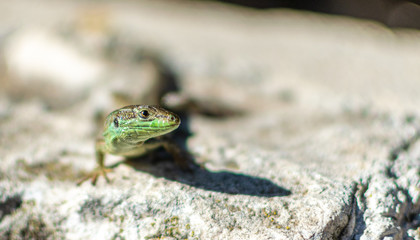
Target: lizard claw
{"x":94,"y":176}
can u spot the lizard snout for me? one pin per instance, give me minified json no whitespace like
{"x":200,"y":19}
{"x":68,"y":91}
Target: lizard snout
{"x":173,"y":118}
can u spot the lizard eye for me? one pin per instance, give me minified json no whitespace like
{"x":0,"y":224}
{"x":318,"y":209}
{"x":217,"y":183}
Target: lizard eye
{"x":116,"y":124}
{"x":144,"y":114}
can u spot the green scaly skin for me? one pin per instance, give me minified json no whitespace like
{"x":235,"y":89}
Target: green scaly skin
{"x":126,"y":131}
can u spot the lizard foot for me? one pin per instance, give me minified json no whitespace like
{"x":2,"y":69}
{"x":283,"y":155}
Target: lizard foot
{"x":95,"y":174}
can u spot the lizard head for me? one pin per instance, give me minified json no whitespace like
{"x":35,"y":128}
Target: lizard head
{"x":137,"y":123}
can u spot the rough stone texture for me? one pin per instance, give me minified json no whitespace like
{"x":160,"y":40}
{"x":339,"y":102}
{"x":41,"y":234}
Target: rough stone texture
{"x":325,"y":144}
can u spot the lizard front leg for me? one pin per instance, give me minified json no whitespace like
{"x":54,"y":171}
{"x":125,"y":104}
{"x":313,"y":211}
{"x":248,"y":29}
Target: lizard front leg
{"x":100,"y":169}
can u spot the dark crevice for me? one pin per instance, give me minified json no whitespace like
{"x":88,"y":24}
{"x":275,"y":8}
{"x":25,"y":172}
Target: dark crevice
{"x":359,"y":211}
{"x":389,"y":172}
{"x":349,"y":230}
{"x":363,"y":187}
{"x":9,"y":205}
{"x":404,"y":146}
{"x":35,"y":228}
{"x":410,"y":214}
{"x":410,"y":218}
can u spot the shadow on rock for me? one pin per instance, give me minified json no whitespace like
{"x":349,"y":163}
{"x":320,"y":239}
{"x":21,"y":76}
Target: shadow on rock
{"x":224,"y":181}
{"x":196,"y":176}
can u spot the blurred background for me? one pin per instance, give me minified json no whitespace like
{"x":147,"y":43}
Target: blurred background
{"x":65,"y":51}
{"x":392,"y":13}
{"x":214,"y":58}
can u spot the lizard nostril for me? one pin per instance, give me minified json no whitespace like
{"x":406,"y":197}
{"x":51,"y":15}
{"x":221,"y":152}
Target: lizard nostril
{"x":172,"y":118}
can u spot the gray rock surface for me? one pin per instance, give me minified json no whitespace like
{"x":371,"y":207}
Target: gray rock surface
{"x":307,"y":125}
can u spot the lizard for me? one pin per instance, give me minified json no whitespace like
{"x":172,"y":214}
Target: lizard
{"x":126,"y":133}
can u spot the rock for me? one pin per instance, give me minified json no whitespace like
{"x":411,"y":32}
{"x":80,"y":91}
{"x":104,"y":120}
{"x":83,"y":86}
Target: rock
{"x":325,"y":144}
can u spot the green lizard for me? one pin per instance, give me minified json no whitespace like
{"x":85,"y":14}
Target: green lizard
{"x":126,"y":131}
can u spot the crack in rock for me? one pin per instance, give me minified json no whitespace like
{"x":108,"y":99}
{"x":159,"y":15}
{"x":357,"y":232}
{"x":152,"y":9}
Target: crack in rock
{"x":388,"y":201}
{"x":9,"y":205}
